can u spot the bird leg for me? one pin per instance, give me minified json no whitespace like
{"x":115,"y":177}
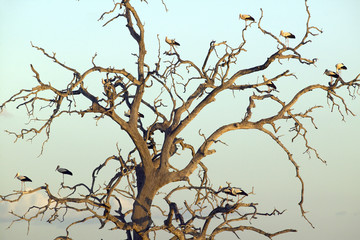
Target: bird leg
{"x":170,"y":51}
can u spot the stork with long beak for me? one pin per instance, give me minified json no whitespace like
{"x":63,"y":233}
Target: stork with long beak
{"x":171,"y":42}
{"x":339,"y":67}
{"x":246,"y":17}
{"x":287,"y":35}
{"x":270,"y":84}
{"x":23,"y":179}
{"x":331,"y":74}
{"x":63,"y":171}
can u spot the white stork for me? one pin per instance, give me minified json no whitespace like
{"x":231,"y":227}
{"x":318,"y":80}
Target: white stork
{"x":171,"y":42}
{"x":246,"y":17}
{"x":23,"y":179}
{"x":287,"y":35}
{"x":340,"y":66}
{"x":270,"y":84}
{"x":331,"y":74}
{"x":63,"y":171}
{"x":233,"y":191}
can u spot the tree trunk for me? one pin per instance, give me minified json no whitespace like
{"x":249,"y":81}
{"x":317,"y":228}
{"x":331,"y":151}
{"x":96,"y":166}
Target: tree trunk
{"x":141,"y":208}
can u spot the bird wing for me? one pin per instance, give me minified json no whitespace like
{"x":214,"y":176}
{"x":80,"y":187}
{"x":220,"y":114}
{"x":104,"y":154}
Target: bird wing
{"x":250,"y":18}
{"x":331,"y":74}
{"x":239,"y":191}
{"x":228,"y":190}
{"x":24,"y":179}
{"x":65,"y":171}
{"x":175,"y":42}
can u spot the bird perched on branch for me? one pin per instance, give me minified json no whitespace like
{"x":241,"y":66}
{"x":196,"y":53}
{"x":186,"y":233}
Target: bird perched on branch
{"x":23,"y":179}
{"x":287,"y":35}
{"x":63,"y":171}
{"x":270,"y":84}
{"x":246,"y":17}
{"x":233,"y":191}
{"x":340,"y":66}
{"x":171,"y":42}
{"x":331,"y":74}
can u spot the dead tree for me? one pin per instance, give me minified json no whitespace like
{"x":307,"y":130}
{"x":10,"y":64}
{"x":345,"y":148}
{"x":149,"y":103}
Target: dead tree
{"x":186,"y":89}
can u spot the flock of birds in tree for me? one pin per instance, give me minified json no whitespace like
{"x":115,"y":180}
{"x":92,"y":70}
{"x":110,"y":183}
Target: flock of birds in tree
{"x":24,"y":179}
{"x":233,"y":191}
{"x":286,"y":35}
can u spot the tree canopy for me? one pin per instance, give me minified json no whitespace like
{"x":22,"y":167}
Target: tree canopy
{"x":154,"y":103}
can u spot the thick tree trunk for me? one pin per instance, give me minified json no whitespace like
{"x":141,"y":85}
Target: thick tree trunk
{"x":141,"y":210}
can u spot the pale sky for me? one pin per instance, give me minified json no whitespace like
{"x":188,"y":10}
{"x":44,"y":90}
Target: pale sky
{"x":70,"y":28}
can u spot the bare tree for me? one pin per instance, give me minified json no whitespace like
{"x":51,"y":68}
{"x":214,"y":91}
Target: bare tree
{"x":156,"y":132}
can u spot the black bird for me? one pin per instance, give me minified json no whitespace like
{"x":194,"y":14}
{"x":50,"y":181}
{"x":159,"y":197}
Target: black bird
{"x":23,"y":179}
{"x":63,"y":171}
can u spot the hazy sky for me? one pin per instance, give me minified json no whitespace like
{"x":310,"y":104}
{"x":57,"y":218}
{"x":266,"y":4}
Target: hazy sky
{"x":70,"y":28}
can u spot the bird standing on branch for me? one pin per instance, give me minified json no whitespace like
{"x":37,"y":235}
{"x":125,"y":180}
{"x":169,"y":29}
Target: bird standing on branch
{"x":233,"y":191}
{"x":287,"y":35}
{"x":331,"y":74}
{"x":63,"y":171}
{"x":23,"y":179}
{"x":171,"y":42}
{"x":340,"y":66}
{"x":246,"y":17}
{"x":270,"y":84}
